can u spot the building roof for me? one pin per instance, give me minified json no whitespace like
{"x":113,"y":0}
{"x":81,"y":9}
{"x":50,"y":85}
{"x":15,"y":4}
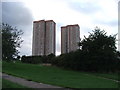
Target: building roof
{"x":38,"y":21}
{"x":72,"y":25}
{"x":63,"y":27}
{"x":69,"y":25}
{"x":43,"y":20}
{"x":49,"y":21}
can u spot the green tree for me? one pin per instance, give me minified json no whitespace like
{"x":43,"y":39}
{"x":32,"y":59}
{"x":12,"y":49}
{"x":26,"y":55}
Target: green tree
{"x":100,"y":50}
{"x":97,"y":54}
{"x":11,"y":41}
{"x":99,"y":41}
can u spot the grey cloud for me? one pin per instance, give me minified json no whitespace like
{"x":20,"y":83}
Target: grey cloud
{"x":86,"y":8}
{"x":119,"y":13}
{"x":26,"y":46}
{"x":119,"y":6}
{"x":110,"y":23}
{"x":84,"y":31}
{"x":15,"y":13}
{"x":19,"y":16}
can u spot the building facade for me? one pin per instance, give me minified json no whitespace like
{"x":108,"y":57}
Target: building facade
{"x":43,"y":37}
{"x":70,"y":37}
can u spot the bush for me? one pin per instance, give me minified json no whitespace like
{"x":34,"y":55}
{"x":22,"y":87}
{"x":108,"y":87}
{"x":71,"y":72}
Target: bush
{"x":31,"y":59}
{"x":85,"y":61}
{"x":37,"y":59}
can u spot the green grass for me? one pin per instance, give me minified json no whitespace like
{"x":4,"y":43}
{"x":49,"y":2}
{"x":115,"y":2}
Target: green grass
{"x":0,"y":66}
{"x":0,"y":83}
{"x":57,"y":76}
{"x":114,"y":76}
{"x":9,"y":84}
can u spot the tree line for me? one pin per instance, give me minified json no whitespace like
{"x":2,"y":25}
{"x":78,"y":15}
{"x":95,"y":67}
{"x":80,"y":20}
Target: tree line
{"x":97,"y":52}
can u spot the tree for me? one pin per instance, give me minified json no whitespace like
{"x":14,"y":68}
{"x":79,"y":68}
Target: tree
{"x":11,"y":41}
{"x":100,"y":49}
{"x":97,"y":54}
{"x":99,"y":41}
{"x":18,"y":57}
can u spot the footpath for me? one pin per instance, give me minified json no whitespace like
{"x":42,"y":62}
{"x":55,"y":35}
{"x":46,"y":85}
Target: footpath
{"x":30,"y":84}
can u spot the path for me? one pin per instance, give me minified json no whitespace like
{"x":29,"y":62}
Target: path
{"x":30,"y":84}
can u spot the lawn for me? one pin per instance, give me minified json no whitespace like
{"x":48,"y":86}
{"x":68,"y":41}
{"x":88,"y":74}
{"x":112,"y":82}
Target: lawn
{"x":57,"y":76}
{"x":9,"y":84}
{"x":113,"y":76}
{"x":0,"y":66}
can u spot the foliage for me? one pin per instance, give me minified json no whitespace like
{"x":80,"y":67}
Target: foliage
{"x":31,"y":59}
{"x":101,"y":51}
{"x":11,"y":40}
{"x":48,"y":58}
{"x":37,"y":59}
{"x":97,"y":54}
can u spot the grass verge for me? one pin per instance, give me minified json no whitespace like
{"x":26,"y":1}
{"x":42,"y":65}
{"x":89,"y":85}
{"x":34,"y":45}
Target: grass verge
{"x":57,"y":76}
{"x":9,"y":84}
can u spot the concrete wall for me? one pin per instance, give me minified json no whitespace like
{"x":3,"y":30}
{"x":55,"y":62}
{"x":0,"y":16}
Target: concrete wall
{"x":63,"y":40}
{"x":50,"y":37}
{"x":43,"y":37}
{"x":70,"y":36}
{"x":38,"y":37}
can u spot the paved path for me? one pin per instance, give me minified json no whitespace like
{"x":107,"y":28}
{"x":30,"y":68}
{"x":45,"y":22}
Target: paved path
{"x":30,"y":84}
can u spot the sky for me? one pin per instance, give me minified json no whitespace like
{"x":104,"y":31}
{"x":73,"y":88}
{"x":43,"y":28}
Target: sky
{"x":87,"y":13}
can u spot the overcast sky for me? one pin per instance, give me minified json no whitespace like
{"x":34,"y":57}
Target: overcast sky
{"x":87,"y":13}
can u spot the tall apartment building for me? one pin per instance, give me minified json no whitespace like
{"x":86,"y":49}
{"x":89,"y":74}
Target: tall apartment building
{"x":43,"y":37}
{"x":70,"y":36}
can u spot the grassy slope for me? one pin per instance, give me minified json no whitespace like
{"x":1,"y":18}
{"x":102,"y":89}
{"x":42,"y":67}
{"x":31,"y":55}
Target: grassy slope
{"x":110,"y":76}
{"x":0,"y":66}
{"x":9,"y":84}
{"x":113,"y":76}
{"x":57,"y":76}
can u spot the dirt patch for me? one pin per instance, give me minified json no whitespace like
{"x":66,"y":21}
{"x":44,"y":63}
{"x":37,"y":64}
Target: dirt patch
{"x":47,"y":64}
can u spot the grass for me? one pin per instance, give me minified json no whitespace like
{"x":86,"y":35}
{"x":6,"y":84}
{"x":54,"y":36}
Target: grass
{"x":114,"y":76}
{"x":57,"y":76}
{"x":0,"y":66}
{"x":0,"y":83}
{"x":9,"y":84}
